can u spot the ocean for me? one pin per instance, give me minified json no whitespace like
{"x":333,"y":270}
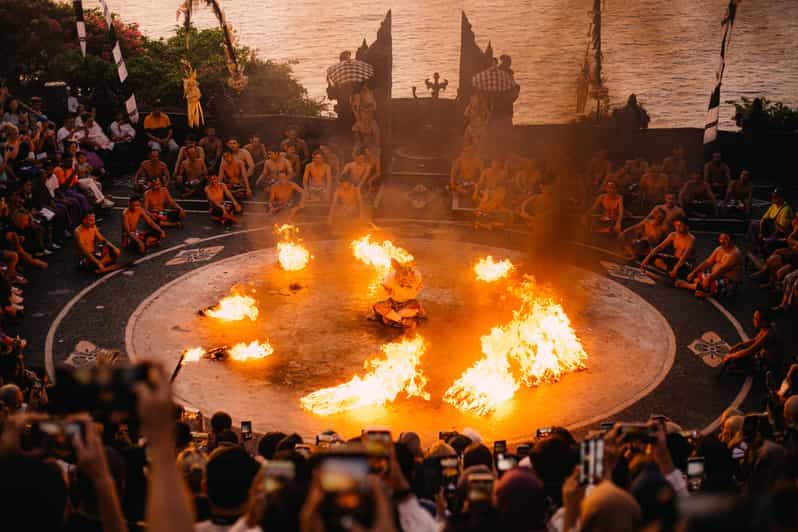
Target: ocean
{"x":665,"y":51}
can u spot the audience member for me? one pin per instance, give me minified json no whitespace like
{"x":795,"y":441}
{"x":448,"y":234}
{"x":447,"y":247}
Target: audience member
{"x":158,"y":129}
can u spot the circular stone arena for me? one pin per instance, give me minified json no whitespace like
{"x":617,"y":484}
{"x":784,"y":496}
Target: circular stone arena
{"x":317,"y":322}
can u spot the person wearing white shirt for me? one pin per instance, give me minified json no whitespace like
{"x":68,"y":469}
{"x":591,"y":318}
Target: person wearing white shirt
{"x":67,"y":133}
{"x":123,"y":135}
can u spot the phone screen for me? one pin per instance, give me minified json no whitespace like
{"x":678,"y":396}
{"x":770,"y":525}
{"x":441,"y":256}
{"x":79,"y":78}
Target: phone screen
{"x":246,"y":430}
{"x":591,"y":461}
{"x":499,"y":447}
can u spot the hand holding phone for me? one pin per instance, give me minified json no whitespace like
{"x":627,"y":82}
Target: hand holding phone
{"x":246,"y":430}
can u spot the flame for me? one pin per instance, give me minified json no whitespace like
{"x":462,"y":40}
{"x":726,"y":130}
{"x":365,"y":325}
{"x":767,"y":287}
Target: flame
{"x":379,"y":255}
{"x":291,"y":253}
{"x":254,"y":350}
{"x":397,"y":371}
{"x":489,"y":270}
{"x":234,"y":307}
{"x":537,"y":346}
{"x":193,"y":354}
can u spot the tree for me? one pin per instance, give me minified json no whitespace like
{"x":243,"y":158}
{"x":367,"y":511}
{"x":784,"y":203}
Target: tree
{"x":41,"y":44}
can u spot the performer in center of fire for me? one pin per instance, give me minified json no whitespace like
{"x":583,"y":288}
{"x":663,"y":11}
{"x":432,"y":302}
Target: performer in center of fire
{"x":402,"y":308}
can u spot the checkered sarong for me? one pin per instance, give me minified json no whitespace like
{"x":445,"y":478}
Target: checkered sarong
{"x":493,"y":80}
{"x":351,"y":71}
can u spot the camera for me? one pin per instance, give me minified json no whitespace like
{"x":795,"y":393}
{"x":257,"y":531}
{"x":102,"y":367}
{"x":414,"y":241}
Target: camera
{"x":53,"y":436}
{"x":543,"y":432}
{"x":522,"y":450}
{"x":479,"y":488}
{"x":445,"y":436}
{"x":105,"y":388}
{"x":695,"y":473}
{"x":591,"y":461}
{"x":499,"y":447}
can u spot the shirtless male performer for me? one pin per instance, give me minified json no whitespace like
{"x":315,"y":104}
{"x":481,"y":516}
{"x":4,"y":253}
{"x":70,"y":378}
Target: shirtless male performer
{"x":490,"y":177}
{"x":150,"y":169}
{"x":233,"y":173}
{"x":679,"y":264}
{"x":134,"y":238}
{"x":670,"y":210}
{"x":242,"y":155}
{"x":358,"y":171}
{"x":719,"y":274}
{"x":223,"y":205}
{"x":182,"y":154}
{"x":161,"y":207}
{"x":653,"y":186}
{"x":213,"y":148}
{"x":491,"y":211}
{"x":271,"y":169}
{"x":191,"y":174}
{"x":346,"y":202}
{"x":283,"y":196}
{"x":95,"y":252}
{"x":258,"y":152}
{"x":464,"y":176}
{"x":697,"y":198}
{"x":317,"y":180}
{"x":644,"y":235}
{"x":609,"y":207}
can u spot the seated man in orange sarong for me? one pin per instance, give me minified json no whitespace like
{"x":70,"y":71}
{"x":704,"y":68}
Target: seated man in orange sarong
{"x":401,"y":309}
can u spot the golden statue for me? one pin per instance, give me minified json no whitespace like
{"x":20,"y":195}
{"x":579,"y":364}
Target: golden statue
{"x":193,"y":95}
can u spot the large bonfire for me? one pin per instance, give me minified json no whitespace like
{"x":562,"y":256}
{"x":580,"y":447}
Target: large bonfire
{"x":537,"y":346}
{"x":397,"y":371}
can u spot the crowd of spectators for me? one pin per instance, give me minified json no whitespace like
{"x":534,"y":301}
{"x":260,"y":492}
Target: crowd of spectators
{"x":137,"y":461}
{"x":90,"y":465}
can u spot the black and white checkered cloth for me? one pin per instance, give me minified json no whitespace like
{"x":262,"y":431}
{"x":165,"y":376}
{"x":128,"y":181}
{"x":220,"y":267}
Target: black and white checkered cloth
{"x":493,"y":80}
{"x":713,"y":112}
{"x":121,"y":68}
{"x":81,"y":25}
{"x":350,"y":71}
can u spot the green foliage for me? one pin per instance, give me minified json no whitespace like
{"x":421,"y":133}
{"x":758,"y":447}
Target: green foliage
{"x":40,"y":43}
{"x":780,"y":116}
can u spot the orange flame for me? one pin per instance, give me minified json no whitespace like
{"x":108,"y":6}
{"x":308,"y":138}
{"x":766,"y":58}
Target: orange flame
{"x":250,"y":351}
{"x":489,"y":270}
{"x":234,"y":307}
{"x":291,"y":253}
{"x":193,"y":354}
{"x":379,"y":255}
{"x":385,"y":379}
{"x":540,"y":344}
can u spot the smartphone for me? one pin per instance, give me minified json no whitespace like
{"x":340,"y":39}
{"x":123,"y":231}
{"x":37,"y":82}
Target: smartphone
{"x":377,"y":443}
{"x":543,"y":432}
{"x":450,"y":471}
{"x":591,"y":461}
{"x":344,"y":473}
{"x":499,"y":447}
{"x":638,"y":432}
{"x":54,"y":436}
{"x":303,"y":449}
{"x":246,"y":430}
{"x":276,"y":474}
{"x":522,"y":450}
{"x":606,"y":426}
{"x":479,"y":487}
{"x":107,"y":388}
{"x":193,"y":418}
{"x":695,"y":473}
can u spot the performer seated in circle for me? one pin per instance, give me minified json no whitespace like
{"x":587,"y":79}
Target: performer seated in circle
{"x":347,"y":202}
{"x":641,"y":237}
{"x":161,"y":207}
{"x":359,"y":170}
{"x":719,"y":274}
{"x":491,"y":212}
{"x":150,"y":169}
{"x":763,"y":352}
{"x":135,"y":238}
{"x":464,"y":177}
{"x":95,"y":252}
{"x":609,"y":207}
{"x":697,"y":198}
{"x":285,"y":196}
{"x":233,"y":174}
{"x":223,"y":205}
{"x":271,"y":168}
{"x":191,"y":174}
{"x":317,"y":180}
{"x":680,"y":262}
{"x":401,"y":309}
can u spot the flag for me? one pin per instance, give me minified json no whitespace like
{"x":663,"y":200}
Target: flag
{"x":81,"y":25}
{"x":121,"y":68}
{"x":713,"y":112}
